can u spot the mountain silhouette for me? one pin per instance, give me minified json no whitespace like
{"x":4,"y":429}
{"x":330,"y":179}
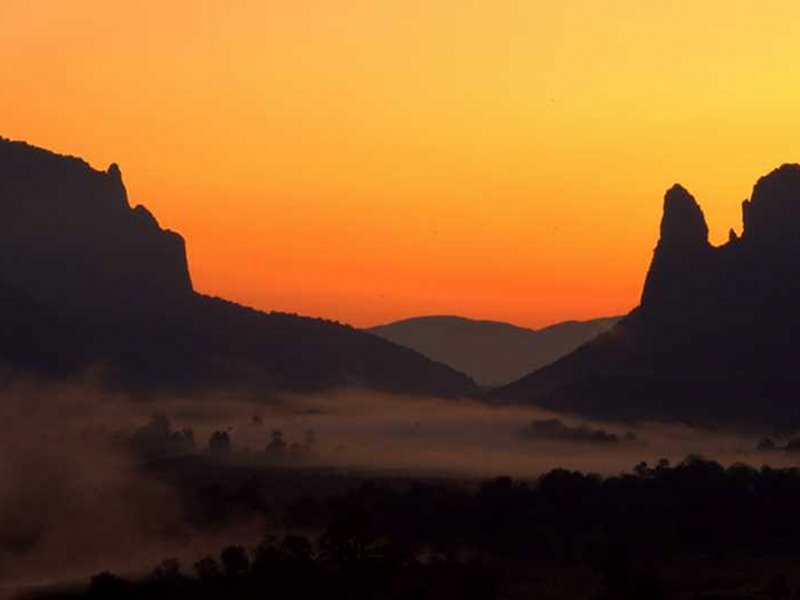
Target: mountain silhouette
{"x":107,"y":253}
{"x":716,"y":337}
{"x":491,"y":352}
{"x":89,"y":282}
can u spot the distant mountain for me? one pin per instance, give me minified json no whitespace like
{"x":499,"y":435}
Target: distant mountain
{"x":88,"y":282}
{"x":491,"y":352}
{"x":716,"y":338}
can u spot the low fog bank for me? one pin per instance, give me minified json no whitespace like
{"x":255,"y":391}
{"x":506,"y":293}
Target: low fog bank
{"x":356,"y":429}
{"x":73,"y":496}
{"x":82,"y":471}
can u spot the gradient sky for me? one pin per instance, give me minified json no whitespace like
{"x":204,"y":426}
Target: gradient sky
{"x":367,"y":161}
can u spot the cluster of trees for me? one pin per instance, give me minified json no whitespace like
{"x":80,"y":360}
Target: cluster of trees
{"x":339,"y":567}
{"x":158,"y":439}
{"x":768,"y":444}
{"x":696,"y":509}
{"x":556,"y":429}
{"x":393,"y":539}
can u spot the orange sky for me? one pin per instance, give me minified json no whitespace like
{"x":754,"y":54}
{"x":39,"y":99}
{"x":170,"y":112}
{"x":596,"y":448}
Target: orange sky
{"x":368,"y":160}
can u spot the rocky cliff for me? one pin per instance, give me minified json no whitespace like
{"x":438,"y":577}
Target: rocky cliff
{"x":88,"y":282}
{"x":69,"y":235}
{"x":716,"y":337}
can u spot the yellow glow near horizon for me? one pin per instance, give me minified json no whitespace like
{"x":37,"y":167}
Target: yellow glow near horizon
{"x":367,"y":161}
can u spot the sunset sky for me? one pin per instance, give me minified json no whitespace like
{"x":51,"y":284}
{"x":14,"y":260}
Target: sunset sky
{"x":368,"y":161}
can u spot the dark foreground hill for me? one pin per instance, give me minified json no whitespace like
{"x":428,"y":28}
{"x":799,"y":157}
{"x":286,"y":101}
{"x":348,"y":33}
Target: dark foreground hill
{"x":716,"y":338}
{"x":491,"y":352}
{"x":87,"y":282}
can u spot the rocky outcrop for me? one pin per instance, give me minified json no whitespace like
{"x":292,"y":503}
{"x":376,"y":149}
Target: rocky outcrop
{"x":676,"y":272}
{"x":772,"y":216}
{"x":716,"y":337}
{"x":70,"y":236}
{"x":683,"y":226}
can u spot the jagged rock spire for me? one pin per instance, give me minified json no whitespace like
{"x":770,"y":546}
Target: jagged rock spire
{"x":683,"y":246}
{"x":683,"y":223}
